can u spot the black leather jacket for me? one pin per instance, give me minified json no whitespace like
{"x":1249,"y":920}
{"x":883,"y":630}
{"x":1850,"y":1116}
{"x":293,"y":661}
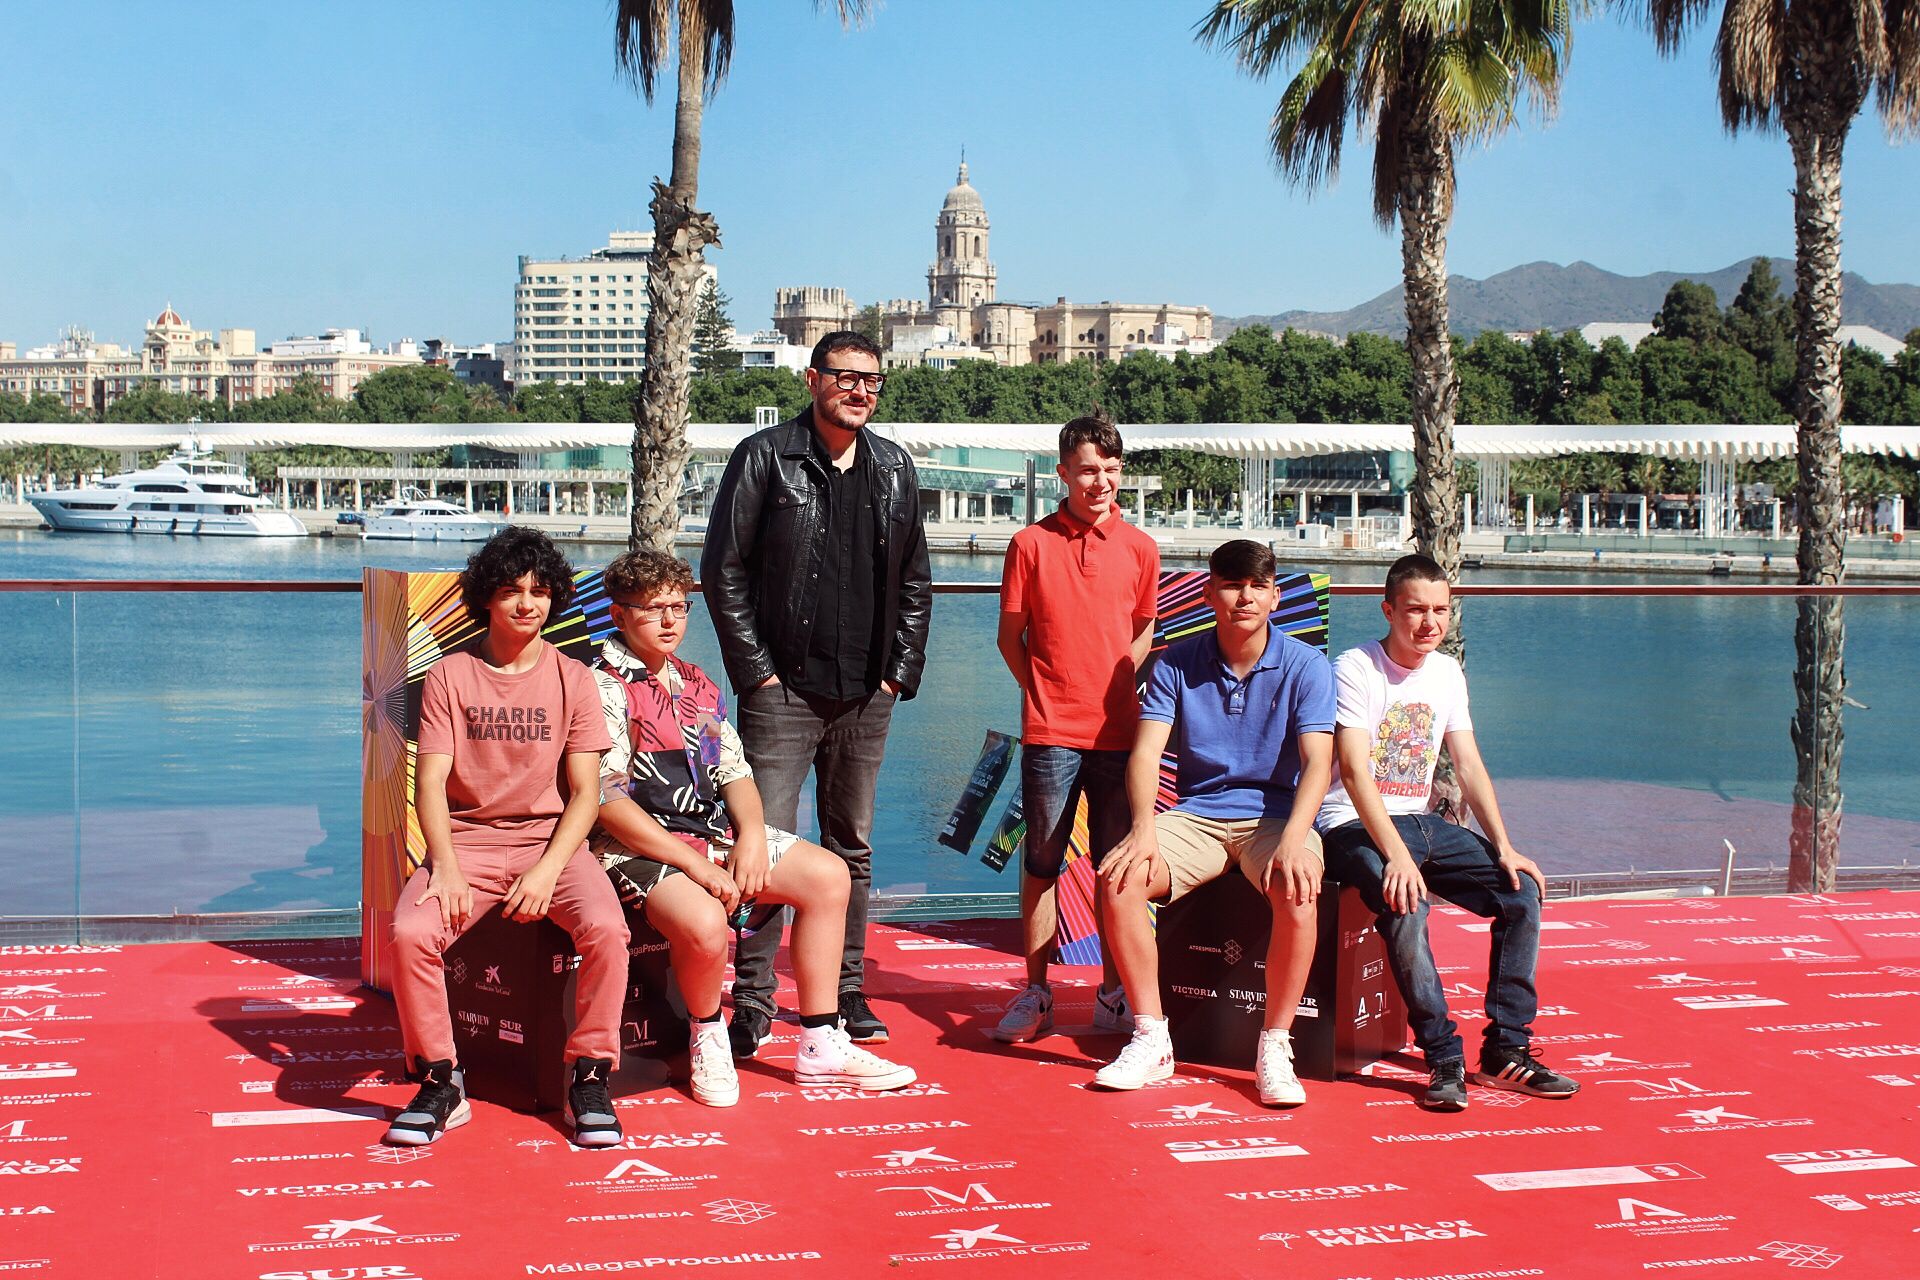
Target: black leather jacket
{"x":763,"y":551}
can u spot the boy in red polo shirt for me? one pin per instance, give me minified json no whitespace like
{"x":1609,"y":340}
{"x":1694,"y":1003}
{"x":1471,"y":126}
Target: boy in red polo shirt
{"x":1077,"y":603}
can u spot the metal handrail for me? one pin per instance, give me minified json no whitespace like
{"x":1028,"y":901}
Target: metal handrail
{"x":1494,"y":589}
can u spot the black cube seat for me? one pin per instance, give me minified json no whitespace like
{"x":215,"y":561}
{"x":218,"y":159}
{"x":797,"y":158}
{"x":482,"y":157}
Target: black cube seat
{"x":510,"y":991}
{"x":1213,"y":983}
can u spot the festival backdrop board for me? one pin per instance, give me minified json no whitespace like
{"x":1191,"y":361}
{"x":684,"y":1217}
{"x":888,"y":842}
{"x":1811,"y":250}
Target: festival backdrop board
{"x":1182,"y":611}
{"x":409,"y":621}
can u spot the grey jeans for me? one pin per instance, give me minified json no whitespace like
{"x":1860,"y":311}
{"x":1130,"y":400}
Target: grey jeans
{"x":786,"y":732}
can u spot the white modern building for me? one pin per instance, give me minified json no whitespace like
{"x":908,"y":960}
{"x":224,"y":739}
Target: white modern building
{"x":769,"y":349}
{"x":584,"y":319}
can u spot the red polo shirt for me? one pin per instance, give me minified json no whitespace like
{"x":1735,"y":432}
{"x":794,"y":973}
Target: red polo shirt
{"x":1086,"y":590}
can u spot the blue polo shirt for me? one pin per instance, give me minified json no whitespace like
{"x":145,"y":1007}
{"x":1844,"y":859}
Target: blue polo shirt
{"x":1238,"y":740}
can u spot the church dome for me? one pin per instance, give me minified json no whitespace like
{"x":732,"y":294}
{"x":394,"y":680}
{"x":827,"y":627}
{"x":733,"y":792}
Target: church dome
{"x":169,"y":319}
{"x":962,"y":195}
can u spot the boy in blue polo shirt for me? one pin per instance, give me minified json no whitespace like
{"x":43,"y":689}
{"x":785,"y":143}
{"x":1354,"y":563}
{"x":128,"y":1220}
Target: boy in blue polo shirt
{"x":1250,"y":710}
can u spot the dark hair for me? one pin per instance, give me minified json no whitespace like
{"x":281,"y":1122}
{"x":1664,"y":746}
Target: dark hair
{"x":842,"y":340}
{"x":1413,"y":568}
{"x":514,"y":551}
{"x":638,"y":574}
{"x":1094,"y":428}
{"x":1242,"y":560}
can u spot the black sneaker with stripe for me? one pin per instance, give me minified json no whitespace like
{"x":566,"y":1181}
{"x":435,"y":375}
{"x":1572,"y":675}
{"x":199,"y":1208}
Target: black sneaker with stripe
{"x":590,"y":1106}
{"x":440,"y":1105}
{"x":1518,"y":1071}
{"x":1446,"y":1087}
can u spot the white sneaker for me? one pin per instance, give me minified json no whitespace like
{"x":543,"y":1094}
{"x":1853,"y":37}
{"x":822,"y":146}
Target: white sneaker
{"x":1111,"y":1011}
{"x":710,"y":1065}
{"x":1146,"y":1058}
{"x":827,"y":1056}
{"x":1273,"y":1070}
{"x":1028,"y":1017}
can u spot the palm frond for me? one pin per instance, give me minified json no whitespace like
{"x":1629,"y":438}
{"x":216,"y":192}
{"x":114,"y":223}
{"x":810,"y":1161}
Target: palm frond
{"x":1311,"y":121}
{"x":1670,"y":19}
{"x":643,"y":37}
{"x":1749,"y":56}
{"x":1389,"y":157}
{"x":1898,"y":84}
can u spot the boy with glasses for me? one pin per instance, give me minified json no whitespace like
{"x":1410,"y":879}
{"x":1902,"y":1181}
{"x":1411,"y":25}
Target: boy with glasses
{"x":683,"y":837}
{"x":1078,"y":597}
{"x":816,"y":576}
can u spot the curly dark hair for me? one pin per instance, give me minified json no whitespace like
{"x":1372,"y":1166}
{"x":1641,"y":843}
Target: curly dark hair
{"x":639,"y":574}
{"x":508,"y":554}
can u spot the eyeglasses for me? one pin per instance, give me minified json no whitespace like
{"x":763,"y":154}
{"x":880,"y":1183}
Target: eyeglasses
{"x":657,"y":612}
{"x":848,"y":379}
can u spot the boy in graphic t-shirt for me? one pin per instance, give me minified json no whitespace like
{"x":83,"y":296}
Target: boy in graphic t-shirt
{"x":1077,"y":602}
{"x":506,"y":788}
{"x":1398,"y":701}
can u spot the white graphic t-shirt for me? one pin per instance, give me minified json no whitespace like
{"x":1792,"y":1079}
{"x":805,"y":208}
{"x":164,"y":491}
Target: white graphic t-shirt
{"x":1408,"y":711}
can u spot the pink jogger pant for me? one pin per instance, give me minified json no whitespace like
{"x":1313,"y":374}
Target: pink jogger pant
{"x":584,"y":904}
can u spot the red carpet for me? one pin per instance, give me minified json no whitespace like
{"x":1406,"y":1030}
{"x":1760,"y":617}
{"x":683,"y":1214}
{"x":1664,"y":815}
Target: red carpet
{"x":1751,"y":1071}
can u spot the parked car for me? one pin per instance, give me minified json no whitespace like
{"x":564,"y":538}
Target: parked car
{"x":351,"y":517}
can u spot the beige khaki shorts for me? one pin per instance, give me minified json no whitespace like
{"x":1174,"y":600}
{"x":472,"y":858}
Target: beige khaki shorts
{"x":1198,"y":849}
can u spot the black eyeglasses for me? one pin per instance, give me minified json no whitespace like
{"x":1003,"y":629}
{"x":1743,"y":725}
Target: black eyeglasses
{"x":657,"y":612}
{"x":848,"y":379}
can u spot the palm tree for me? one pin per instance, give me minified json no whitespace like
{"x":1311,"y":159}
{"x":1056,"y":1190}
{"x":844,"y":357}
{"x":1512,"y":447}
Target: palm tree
{"x":646,"y":33}
{"x":1427,"y":75}
{"x":1805,"y":67}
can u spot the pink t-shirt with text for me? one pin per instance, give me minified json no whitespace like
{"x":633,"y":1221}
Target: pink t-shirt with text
{"x":507,"y":734}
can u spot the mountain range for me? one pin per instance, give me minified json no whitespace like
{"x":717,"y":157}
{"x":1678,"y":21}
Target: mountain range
{"x":1546,"y":295}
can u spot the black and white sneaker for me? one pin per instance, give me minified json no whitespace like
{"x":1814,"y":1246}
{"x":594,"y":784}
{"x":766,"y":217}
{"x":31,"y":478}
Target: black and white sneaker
{"x":749,"y":1029}
{"x":440,"y":1105}
{"x":858,"y":1021}
{"x":1518,"y":1071}
{"x":590,"y":1106}
{"x":1446,"y":1087}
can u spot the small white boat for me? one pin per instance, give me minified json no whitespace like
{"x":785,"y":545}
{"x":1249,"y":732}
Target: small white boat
{"x":190,"y":493}
{"x":414,"y":517}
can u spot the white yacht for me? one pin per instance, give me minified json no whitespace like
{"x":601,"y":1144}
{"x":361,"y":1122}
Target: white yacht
{"x":415,"y":517}
{"x":192,"y":492}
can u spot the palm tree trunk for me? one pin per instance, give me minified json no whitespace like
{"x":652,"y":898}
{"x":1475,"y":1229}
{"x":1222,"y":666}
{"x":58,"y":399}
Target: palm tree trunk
{"x":681,"y":234}
{"x":1425,"y":207}
{"x":1820,"y":106}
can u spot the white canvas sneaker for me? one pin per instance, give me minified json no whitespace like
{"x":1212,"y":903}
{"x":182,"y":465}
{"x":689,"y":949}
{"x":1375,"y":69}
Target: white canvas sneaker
{"x":1273,"y":1070}
{"x":1111,"y":1012}
{"x":1028,"y":1017}
{"x":827,"y":1056}
{"x":1146,"y":1058}
{"x":710,"y":1065}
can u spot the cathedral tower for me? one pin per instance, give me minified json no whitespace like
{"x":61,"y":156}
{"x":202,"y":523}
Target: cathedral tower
{"x":961,"y":277}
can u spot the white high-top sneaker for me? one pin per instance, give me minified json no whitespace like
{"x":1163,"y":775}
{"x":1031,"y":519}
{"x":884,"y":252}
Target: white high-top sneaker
{"x":1273,"y":1070}
{"x":710,"y":1065}
{"x":1146,"y":1058}
{"x":827,"y":1056}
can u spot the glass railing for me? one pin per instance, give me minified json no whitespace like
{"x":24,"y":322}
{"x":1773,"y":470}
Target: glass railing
{"x":182,"y":759}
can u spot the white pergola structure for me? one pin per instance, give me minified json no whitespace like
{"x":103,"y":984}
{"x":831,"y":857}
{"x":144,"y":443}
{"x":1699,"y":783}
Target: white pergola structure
{"x":1495,"y":447}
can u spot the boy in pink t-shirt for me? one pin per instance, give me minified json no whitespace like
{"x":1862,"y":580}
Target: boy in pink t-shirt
{"x":506,"y":788}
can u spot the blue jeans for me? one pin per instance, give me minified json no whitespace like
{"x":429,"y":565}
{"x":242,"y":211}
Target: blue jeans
{"x":1460,"y":866}
{"x":1052,"y":780}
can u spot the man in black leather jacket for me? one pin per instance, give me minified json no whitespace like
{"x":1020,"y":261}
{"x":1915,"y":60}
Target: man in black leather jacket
{"x":816,"y":577}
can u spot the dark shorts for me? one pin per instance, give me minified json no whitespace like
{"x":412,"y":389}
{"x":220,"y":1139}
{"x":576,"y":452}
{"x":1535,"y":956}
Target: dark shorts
{"x":1052,"y":780}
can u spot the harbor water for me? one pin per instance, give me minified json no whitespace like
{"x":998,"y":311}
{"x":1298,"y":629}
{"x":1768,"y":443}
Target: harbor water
{"x":200,"y":752}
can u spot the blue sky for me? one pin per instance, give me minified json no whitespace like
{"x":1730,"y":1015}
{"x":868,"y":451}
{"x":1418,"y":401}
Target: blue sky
{"x":290,"y":167}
